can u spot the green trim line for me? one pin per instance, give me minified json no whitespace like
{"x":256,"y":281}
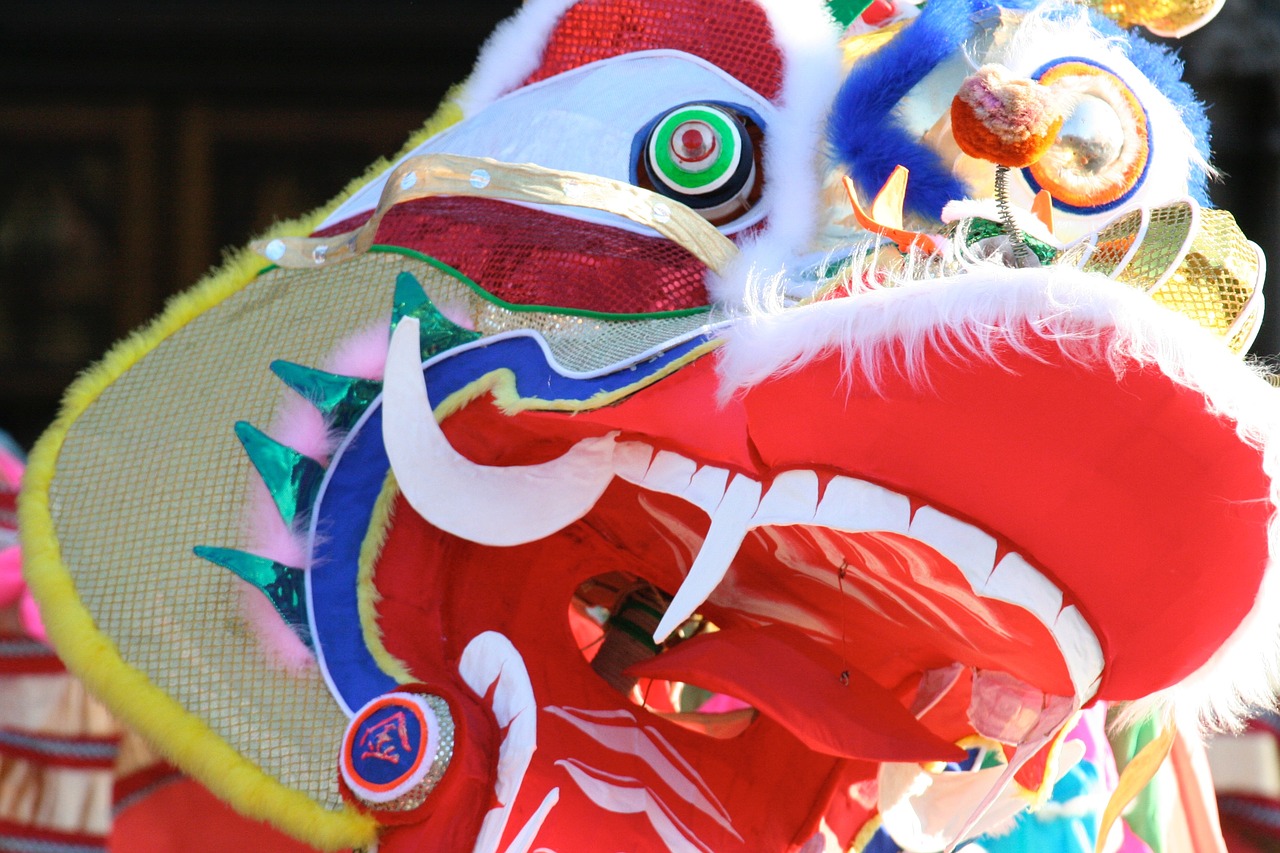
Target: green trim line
{"x":730,"y":148}
{"x":533,"y":309}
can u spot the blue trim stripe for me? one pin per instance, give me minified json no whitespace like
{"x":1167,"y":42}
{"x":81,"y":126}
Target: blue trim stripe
{"x":355,"y":478}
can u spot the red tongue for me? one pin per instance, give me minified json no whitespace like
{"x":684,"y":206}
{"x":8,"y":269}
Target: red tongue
{"x":799,"y":685}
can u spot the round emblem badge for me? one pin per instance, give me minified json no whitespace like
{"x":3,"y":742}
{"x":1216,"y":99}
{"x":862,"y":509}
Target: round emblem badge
{"x":396,"y":749}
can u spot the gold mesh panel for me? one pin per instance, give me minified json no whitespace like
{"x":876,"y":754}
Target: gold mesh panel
{"x":1215,"y":280}
{"x":579,"y":343}
{"x":153,"y":468}
{"x":1166,"y":237}
{"x":1076,"y":254}
{"x":1113,"y":243}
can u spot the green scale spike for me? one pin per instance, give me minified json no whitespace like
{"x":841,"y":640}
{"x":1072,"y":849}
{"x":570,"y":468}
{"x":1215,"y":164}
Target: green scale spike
{"x":284,"y":586}
{"x":438,"y":332}
{"x":341,"y":399}
{"x":847,"y":11}
{"x":292,"y":478}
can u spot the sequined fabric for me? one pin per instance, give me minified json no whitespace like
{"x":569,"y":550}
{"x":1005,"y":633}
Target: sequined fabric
{"x":527,"y":257}
{"x":732,"y":34}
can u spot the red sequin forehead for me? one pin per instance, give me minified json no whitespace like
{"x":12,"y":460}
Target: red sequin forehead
{"x":733,"y":35}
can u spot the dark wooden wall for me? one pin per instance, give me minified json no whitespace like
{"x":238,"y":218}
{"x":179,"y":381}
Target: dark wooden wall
{"x":139,"y":139}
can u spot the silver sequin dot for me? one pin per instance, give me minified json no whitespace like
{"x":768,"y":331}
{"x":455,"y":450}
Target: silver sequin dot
{"x":318,"y":253}
{"x":275,"y":250}
{"x":409,"y":181}
{"x":661,"y":212}
{"x":480,"y":179}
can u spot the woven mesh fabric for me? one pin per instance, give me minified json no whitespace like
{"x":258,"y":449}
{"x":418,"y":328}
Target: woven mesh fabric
{"x":158,"y":448}
{"x":732,"y":34}
{"x":1216,"y":279}
{"x":579,"y":343}
{"x":528,"y":257}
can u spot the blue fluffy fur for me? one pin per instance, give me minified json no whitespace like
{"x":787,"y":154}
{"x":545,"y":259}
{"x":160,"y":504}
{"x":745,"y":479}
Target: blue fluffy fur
{"x":862,"y":131}
{"x":866,"y":139}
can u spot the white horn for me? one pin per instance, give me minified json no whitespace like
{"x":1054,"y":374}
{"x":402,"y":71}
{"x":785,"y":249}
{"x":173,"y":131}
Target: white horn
{"x":483,"y":504}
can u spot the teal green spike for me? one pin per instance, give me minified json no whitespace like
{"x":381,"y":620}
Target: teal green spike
{"x":847,"y":11}
{"x":341,"y":399}
{"x":437,"y":331}
{"x":291,"y":478}
{"x":284,"y":586}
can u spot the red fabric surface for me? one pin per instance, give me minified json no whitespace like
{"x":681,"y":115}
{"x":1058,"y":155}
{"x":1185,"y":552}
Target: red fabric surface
{"x":732,"y":34}
{"x":528,"y":257}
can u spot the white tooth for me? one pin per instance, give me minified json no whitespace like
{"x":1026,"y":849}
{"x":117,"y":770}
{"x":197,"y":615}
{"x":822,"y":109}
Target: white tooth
{"x":1018,"y":582}
{"x":706,"y":489}
{"x":669,"y":473}
{"x":1080,"y":649}
{"x":724,"y":537}
{"x":856,"y":505}
{"x":484,"y":504}
{"x":631,"y":460}
{"x":791,"y":499}
{"x":972,"y":550}
{"x":491,"y":665}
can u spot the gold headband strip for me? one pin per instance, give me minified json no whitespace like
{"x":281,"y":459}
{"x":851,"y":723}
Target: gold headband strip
{"x":479,"y":177}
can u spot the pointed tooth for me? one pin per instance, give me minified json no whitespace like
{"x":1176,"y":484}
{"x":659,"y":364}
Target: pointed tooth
{"x":670,"y":473}
{"x":856,"y":505}
{"x":488,"y":505}
{"x":792,"y":499}
{"x":972,"y":550}
{"x":724,"y":538}
{"x":707,"y":488}
{"x":1018,"y":582}
{"x":631,"y":460}
{"x":1080,"y":649}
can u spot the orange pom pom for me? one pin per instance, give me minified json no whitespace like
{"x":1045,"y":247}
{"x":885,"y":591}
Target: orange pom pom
{"x":1010,"y":121}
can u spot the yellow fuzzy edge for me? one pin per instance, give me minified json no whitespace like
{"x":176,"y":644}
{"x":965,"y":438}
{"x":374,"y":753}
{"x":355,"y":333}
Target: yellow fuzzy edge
{"x":367,"y":596}
{"x":184,"y":738}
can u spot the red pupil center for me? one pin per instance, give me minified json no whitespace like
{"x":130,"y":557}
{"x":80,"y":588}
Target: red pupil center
{"x":693,"y":143}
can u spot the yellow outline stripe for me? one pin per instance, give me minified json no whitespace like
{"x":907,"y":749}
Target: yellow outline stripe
{"x":183,"y":737}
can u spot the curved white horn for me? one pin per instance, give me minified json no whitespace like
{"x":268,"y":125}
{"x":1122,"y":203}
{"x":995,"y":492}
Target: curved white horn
{"x":483,"y":504}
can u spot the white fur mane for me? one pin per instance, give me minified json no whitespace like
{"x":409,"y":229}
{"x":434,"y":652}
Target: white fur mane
{"x":992,"y":309}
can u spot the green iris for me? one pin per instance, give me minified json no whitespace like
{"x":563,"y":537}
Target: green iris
{"x":679,"y":175}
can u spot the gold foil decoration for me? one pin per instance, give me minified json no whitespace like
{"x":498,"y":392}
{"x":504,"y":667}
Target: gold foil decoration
{"x":480,"y":177}
{"x":1169,"y":18}
{"x":1195,"y":261}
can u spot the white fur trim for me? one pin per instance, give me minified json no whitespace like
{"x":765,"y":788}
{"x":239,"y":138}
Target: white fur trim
{"x":809,"y":41}
{"x":512,"y":52}
{"x":988,"y":308}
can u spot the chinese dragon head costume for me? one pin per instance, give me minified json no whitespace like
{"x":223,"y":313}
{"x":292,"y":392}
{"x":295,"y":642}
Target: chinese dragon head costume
{"x":731,"y":425}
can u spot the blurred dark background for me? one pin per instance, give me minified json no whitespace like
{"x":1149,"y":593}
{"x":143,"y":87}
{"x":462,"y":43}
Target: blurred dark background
{"x":139,"y":139}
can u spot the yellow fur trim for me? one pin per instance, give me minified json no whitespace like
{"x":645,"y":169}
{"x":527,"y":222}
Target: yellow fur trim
{"x":367,"y":596}
{"x":180,"y":735}
{"x":501,"y":383}
{"x":864,"y":836}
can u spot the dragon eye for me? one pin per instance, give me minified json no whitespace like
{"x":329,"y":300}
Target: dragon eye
{"x":1101,"y":154}
{"x":701,"y":155}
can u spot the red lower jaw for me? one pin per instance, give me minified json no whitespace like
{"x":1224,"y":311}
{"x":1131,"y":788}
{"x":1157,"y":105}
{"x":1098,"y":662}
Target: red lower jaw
{"x":1128,"y":493}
